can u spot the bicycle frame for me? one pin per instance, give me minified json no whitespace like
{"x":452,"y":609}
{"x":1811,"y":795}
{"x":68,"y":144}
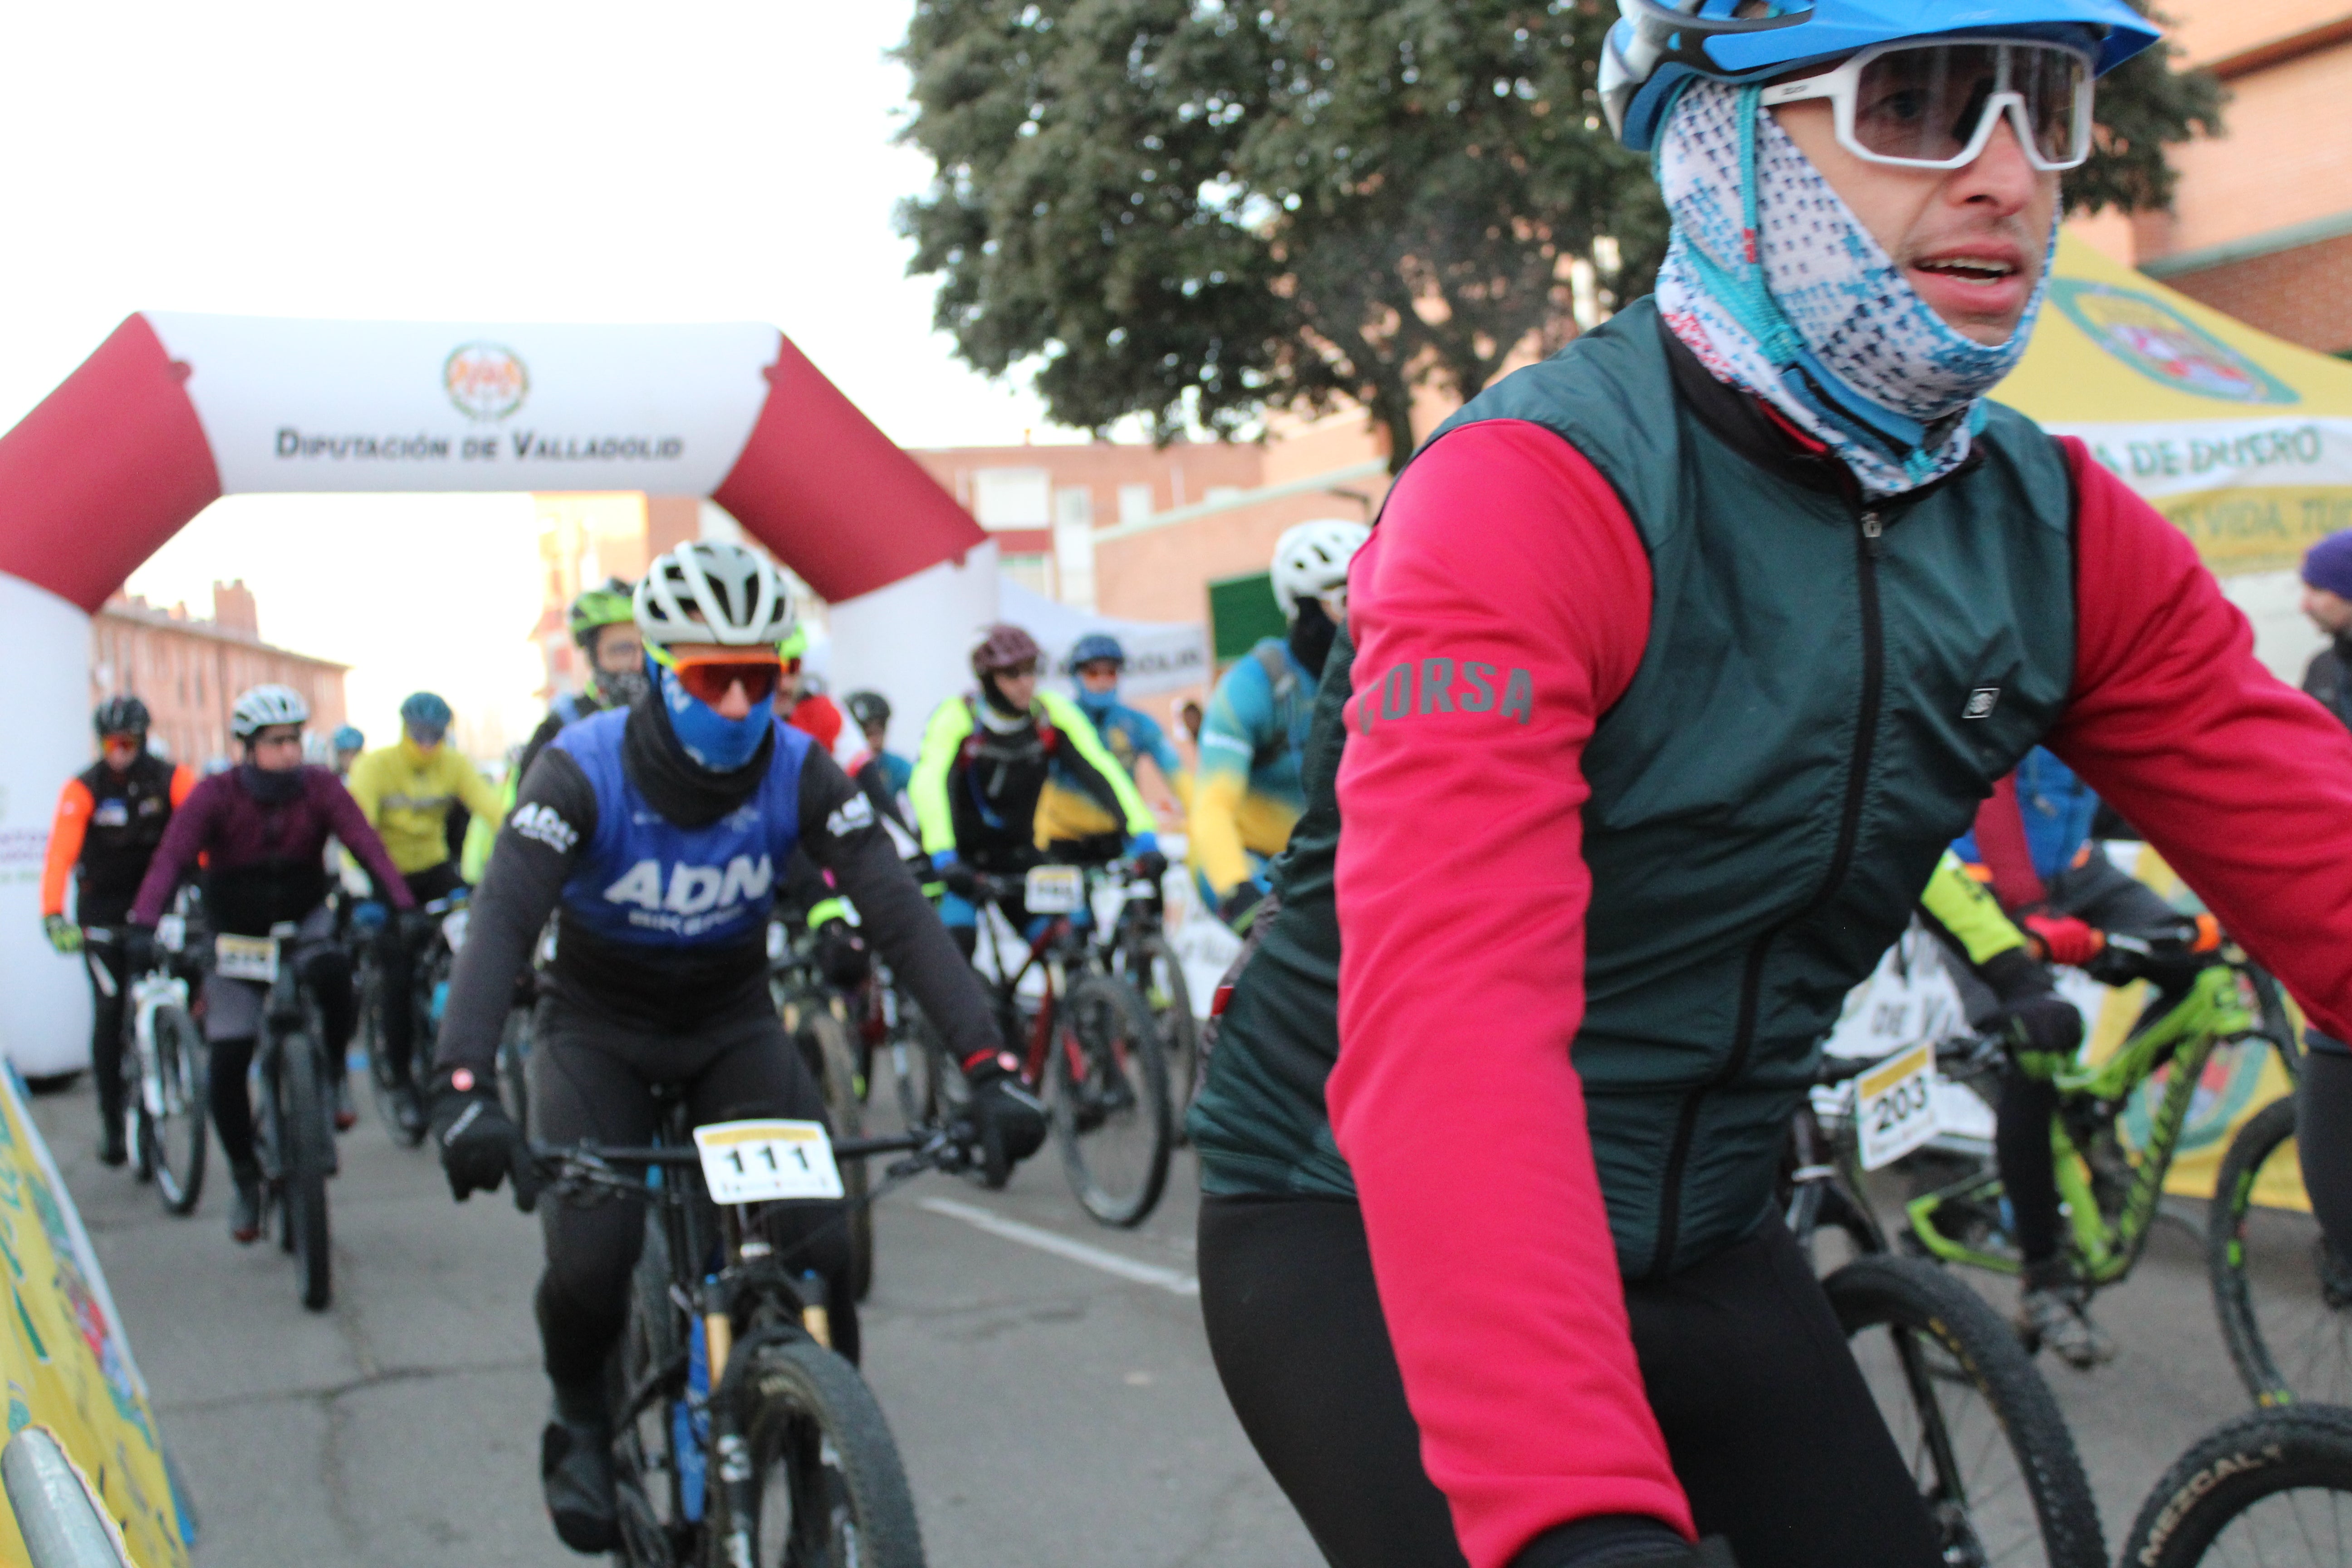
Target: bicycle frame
{"x":2185,"y":1037}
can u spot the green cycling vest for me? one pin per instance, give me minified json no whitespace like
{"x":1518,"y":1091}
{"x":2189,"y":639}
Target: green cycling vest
{"x":1828,"y":691}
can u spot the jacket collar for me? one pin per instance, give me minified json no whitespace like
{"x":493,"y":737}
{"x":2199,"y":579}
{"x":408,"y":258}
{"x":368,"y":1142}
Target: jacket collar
{"x":1756,"y":433}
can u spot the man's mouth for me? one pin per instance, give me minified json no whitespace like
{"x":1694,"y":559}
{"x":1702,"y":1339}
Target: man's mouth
{"x":1969,"y":268}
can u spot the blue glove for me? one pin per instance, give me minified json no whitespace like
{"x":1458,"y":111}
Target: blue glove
{"x":368,"y":915}
{"x":1143,"y":843}
{"x":1150,"y":863}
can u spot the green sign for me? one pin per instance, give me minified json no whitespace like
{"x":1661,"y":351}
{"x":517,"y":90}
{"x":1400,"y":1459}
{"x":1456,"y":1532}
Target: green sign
{"x":1241,"y":611}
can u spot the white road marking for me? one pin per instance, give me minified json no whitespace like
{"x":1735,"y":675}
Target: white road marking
{"x":1174,"y":1281}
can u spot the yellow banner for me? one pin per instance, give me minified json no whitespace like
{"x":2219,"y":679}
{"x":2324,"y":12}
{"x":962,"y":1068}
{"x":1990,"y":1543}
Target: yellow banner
{"x":68,"y":1364}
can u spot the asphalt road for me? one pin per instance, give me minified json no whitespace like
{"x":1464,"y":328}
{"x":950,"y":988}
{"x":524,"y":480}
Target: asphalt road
{"x":1046,"y":1379}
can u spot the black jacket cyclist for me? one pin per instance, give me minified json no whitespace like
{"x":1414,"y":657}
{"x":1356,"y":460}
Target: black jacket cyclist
{"x":658,"y":835}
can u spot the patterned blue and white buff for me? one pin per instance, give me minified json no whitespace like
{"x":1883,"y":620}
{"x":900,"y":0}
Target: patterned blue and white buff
{"x":1780,"y":290}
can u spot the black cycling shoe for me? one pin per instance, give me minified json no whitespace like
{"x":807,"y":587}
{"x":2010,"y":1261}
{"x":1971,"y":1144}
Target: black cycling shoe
{"x":575,"y":1472}
{"x":245,"y":1207}
{"x":112,"y":1148}
{"x":408,"y":1110}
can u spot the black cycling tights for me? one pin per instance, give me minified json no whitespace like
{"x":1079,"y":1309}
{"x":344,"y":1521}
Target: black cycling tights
{"x":2322,"y":1126}
{"x":328,"y":974}
{"x":1772,"y":1431}
{"x":594,"y":1078}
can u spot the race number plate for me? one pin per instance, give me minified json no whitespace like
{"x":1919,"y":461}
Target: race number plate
{"x":1053,"y":890}
{"x":245,"y":958}
{"x":1896,"y":1106}
{"x":763,"y":1161}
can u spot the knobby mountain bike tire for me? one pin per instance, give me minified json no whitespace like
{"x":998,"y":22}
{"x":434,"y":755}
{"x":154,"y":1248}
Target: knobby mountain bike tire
{"x":644,"y":1462}
{"x":2283,"y":1297}
{"x":514,"y":1067}
{"x":824,"y":1040}
{"x":302,"y":1120}
{"x":1151,"y":967}
{"x":1107,"y":1090}
{"x":829,"y":1489}
{"x":2273,"y":1488}
{"x":175,"y":1134}
{"x":1979,"y":1427}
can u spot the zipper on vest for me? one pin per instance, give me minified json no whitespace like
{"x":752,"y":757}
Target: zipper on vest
{"x":1870,"y":547}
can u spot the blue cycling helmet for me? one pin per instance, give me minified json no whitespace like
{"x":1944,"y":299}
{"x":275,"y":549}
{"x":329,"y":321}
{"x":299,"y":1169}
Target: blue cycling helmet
{"x":348,"y":739}
{"x":1658,"y":46}
{"x":1097,"y":646}
{"x":425,"y":716}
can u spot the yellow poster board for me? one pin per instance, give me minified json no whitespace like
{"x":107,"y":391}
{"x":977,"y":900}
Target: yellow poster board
{"x":65,"y":1357}
{"x":2243,"y":441}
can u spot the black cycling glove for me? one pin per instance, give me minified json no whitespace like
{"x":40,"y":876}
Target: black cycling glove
{"x":1150,"y":866}
{"x":138,"y":945}
{"x":480,"y":1146}
{"x":1622,"y":1541}
{"x":2044,"y":1034}
{"x":1007,"y":1118}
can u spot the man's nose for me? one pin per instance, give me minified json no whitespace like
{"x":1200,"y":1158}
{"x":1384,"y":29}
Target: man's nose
{"x":2001,"y":173}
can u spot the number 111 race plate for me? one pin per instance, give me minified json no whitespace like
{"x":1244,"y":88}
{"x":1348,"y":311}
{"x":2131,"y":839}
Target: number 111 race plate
{"x":763,"y":1162}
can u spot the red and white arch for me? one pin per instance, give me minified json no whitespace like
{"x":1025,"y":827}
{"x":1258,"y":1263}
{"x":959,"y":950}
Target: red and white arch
{"x":173,"y":411}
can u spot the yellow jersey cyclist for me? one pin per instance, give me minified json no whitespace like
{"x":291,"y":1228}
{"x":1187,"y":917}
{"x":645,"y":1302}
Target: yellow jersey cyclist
{"x":1008,"y":773}
{"x":1246,"y":793}
{"x":1674,"y":665}
{"x":656,"y":836}
{"x":407,"y":791}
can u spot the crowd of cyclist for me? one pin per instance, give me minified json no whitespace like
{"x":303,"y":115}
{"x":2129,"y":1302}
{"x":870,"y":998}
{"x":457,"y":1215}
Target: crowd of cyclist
{"x":1543,"y":809}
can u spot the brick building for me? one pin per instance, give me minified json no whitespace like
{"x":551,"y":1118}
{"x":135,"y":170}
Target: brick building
{"x":190,"y":671}
{"x":2261,"y":224}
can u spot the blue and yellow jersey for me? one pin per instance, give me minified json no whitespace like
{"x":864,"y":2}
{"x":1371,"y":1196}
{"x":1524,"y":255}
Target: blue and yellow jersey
{"x":1129,"y":734}
{"x":1247,"y":794}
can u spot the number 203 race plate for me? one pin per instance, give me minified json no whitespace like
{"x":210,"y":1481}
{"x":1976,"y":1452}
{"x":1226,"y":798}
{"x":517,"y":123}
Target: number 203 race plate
{"x":1896,"y":1104}
{"x":765,"y":1161}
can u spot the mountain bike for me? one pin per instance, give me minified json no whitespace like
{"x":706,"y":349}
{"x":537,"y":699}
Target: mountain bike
{"x":1135,"y":949}
{"x":294,"y":1135}
{"x":2284,"y":1291}
{"x":816,"y":1018}
{"x":435,"y":930}
{"x":1086,"y":1040}
{"x":164,"y":1095}
{"x":739,"y":1435}
{"x":1983,"y":1435}
{"x":2272,"y":1488}
{"x":2120,"y":1123}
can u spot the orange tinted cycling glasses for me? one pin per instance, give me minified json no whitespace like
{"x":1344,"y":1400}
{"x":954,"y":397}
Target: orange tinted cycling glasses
{"x":709,"y":680}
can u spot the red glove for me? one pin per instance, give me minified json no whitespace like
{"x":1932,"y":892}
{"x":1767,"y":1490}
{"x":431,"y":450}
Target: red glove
{"x":2064,"y":938}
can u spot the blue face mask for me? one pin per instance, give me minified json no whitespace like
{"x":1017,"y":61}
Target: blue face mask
{"x":713,"y":741}
{"x":1095,"y":704}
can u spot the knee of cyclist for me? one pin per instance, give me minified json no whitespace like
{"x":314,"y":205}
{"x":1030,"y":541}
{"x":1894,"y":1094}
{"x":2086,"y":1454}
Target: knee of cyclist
{"x":329,"y":971}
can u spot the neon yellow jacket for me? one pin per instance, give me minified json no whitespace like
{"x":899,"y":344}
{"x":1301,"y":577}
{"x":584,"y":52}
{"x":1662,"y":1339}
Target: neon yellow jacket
{"x":1062,"y":811}
{"x":405,"y":794}
{"x":1967,"y":908}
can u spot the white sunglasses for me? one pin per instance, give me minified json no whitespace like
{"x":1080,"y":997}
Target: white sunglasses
{"x":1933,"y":105}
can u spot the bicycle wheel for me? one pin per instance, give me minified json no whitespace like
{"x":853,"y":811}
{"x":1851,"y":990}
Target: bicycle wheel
{"x":925,"y":1079}
{"x":825,"y":1046}
{"x":645,"y":1389}
{"x":2285,"y":1296}
{"x":1975,"y":1423}
{"x":514,"y":1067}
{"x":302,"y":1123}
{"x":1150,"y":965}
{"x":2273,"y":1488}
{"x":1107,"y":1088}
{"x":172,"y":1125}
{"x":828,"y":1489}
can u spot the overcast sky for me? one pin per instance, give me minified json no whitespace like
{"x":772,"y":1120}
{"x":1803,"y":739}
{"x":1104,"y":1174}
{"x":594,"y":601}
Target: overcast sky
{"x":520,"y":161}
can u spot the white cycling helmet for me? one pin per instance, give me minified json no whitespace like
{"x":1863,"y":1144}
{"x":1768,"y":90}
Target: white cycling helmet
{"x":263,"y":706}
{"x":1311,"y":560}
{"x":711,"y":591}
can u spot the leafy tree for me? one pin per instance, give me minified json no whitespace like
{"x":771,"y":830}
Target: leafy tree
{"x":1193,"y":210}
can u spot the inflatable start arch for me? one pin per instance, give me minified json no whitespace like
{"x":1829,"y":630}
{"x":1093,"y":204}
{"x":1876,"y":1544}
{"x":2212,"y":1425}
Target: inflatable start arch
{"x":174,"y":411}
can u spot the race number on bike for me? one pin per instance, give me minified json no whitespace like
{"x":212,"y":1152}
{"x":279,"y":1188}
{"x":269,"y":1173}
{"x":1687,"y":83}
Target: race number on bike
{"x":764,"y":1161}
